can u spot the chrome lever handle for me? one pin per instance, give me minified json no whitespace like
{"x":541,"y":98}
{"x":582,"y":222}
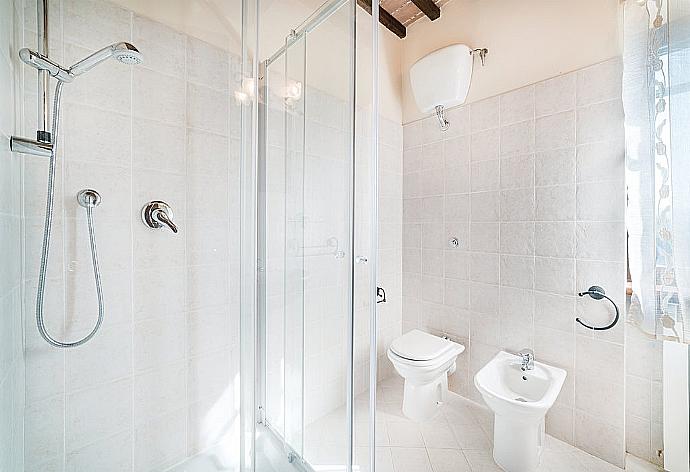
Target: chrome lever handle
{"x":162,"y":217}
{"x":158,"y":214}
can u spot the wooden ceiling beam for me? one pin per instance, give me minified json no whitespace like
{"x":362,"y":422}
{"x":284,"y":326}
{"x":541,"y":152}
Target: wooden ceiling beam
{"x":429,"y":8}
{"x":386,"y":19}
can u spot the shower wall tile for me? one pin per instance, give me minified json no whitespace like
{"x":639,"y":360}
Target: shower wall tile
{"x":542,"y":205}
{"x":12,"y":360}
{"x":207,"y":65}
{"x":555,"y":95}
{"x":483,"y":115}
{"x":36,"y":176}
{"x":156,"y":131}
{"x":556,"y":166}
{"x":45,"y":424}
{"x":555,"y":131}
{"x":150,"y":400}
{"x":600,"y":122}
{"x":207,"y":109}
{"x":158,"y":96}
{"x":86,"y":419}
{"x":517,"y":106}
{"x":206,"y":153}
{"x":158,"y":292}
{"x":158,"y":342}
{"x":601,"y":161}
{"x":113,"y":454}
{"x":599,"y":82}
{"x":94,"y":24}
{"x":160,"y":443}
{"x":164,"y":48}
{"x":160,"y":146}
{"x":517,"y":139}
{"x":113,"y":347}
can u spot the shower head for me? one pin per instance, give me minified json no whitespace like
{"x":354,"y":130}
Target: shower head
{"x":128,"y":54}
{"x":123,"y":52}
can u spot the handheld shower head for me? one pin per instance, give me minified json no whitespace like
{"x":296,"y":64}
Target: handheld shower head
{"x":128,"y":54}
{"x":124,"y":52}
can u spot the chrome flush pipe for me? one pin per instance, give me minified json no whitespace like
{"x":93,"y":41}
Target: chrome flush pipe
{"x":43,"y":132}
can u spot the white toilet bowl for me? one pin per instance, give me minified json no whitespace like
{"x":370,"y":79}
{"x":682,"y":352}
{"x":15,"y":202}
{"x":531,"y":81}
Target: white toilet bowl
{"x":424,"y":361}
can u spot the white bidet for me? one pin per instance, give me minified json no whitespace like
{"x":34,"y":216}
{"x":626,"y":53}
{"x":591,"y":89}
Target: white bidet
{"x":520,"y":392}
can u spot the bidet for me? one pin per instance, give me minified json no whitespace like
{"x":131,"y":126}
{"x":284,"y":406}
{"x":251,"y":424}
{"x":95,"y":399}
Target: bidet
{"x":519,"y":398}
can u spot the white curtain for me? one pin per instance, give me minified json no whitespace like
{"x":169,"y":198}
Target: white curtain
{"x":657,"y":111}
{"x":679,"y":90}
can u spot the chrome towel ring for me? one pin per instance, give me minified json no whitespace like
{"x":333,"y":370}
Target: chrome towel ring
{"x":598,"y":293}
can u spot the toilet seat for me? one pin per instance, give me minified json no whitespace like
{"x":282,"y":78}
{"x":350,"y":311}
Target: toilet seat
{"x":417,"y":345}
{"x":433,"y":363}
{"x":420,"y":349}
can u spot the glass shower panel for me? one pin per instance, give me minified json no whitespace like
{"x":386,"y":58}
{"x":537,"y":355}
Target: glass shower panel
{"x":11,"y":337}
{"x":274,"y":250}
{"x":295,"y":221}
{"x":282,"y":252}
{"x":158,"y":386}
{"x":327,"y":226}
{"x":306,"y":168}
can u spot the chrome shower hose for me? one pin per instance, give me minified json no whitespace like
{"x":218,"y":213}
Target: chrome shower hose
{"x":40,"y":322}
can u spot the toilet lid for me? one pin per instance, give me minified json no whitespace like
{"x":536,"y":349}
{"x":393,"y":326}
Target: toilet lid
{"x":417,"y":345}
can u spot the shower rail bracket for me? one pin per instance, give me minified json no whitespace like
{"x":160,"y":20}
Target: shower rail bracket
{"x":31,"y":146}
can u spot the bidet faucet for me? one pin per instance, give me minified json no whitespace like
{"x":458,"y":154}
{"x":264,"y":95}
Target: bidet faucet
{"x":527,"y":359}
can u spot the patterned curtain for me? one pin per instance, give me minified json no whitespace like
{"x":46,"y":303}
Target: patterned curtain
{"x":656,"y":101}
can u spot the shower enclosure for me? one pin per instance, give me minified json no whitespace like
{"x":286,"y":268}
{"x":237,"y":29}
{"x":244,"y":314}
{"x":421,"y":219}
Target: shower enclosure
{"x":223,"y":320}
{"x":312,"y":370}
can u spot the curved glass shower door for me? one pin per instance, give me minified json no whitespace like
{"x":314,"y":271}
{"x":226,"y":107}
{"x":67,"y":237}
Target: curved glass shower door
{"x":305,"y":233}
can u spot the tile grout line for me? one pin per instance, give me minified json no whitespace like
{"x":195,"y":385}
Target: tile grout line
{"x":132,"y":245}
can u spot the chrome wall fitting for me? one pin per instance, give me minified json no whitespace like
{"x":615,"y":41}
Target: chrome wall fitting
{"x":89,"y":198}
{"x":158,"y":214}
{"x":481,"y":52}
{"x":30,"y":146}
{"x":441,"y":116}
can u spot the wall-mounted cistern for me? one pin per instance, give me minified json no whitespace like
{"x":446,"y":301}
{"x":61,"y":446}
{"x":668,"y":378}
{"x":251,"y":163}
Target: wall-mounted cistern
{"x":158,"y":214}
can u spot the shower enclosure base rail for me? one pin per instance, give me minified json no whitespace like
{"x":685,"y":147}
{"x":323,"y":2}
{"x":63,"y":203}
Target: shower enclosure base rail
{"x":291,"y":456}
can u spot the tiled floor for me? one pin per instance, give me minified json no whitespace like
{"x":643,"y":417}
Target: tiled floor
{"x":458,"y":439}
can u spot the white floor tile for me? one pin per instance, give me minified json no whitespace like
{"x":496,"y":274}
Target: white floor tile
{"x":458,"y":439}
{"x":448,"y":460}
{"x":410,"y":460}
{"x":405,"y":435}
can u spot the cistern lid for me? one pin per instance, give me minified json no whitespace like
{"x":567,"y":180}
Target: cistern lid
{"x":417,"y":345}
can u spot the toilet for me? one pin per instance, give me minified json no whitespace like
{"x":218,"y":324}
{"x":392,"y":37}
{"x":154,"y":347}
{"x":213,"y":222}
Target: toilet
{"x":425,"y":361}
